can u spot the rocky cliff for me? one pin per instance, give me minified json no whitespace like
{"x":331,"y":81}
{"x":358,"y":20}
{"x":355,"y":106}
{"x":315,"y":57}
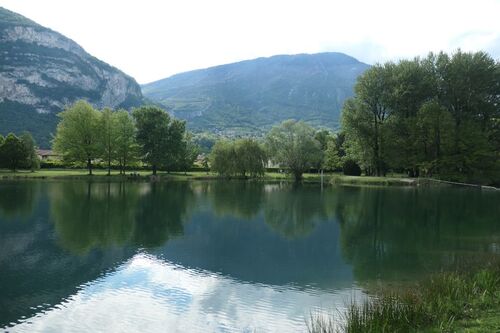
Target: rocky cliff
{"x":42,"y":71}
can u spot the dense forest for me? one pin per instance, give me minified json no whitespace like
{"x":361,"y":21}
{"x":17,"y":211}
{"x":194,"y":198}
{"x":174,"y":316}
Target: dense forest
{"x":433,"y":116}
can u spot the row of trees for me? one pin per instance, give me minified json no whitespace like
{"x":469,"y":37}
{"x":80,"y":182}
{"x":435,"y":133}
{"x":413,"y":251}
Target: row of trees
{"x":292,"y":145}
{"x":85,"y":134}
{"x":18,"y":152}
{"x":439,"y":115}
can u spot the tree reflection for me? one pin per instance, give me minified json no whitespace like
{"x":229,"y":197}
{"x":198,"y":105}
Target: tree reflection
{"x":292,"y":210}
{"x":238,"y":199}
{"x":95,"y":215}
{"x":90,"y":215}
{"x":17,"y":199}
{"x":397,"y":233}
{"x":162,"y":212}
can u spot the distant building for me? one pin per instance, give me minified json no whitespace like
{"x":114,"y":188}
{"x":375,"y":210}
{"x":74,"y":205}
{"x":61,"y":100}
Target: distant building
{"x":46,"y":154}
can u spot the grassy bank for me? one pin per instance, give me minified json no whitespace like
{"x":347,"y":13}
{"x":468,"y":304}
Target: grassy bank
{"x":329,"y":178}
{"x":336,"y":179}
{"x":464,"y":301}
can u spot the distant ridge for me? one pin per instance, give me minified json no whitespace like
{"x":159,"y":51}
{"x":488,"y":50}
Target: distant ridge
{"x":250,"y":96}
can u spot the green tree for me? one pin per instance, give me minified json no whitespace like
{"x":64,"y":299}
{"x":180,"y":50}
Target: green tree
{"x":13,"y":152}
{"x":175,"y":145}
{"x":250,"y":157}
{"x":108,"y":142}
{"x":365,"y":116}
{"x":332,"y":158}
{"x":159,"y":137}
{"x":32,"y":162}
{"x":127,"y":149}
{"x":189,"y":152}
{"x":434,"y":138}
{"x":292,"y":144}
{"x":77,"y":136}
{"x":223,"y":158}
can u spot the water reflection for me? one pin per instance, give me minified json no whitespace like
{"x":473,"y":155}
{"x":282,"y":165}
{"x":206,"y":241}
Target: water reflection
{"x":149,"y":293}
{"x":229,"y":255}
{"x":97,"y":215}
{"x":18,"y":201}
{"x":401,"y":233}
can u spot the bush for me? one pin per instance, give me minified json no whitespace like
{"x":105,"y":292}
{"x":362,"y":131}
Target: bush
{"x":351,"y":168}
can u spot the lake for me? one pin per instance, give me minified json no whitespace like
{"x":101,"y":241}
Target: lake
{"x":217,"y":256}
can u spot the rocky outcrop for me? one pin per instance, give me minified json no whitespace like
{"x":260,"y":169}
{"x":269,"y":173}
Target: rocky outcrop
{"x":43,"y":71}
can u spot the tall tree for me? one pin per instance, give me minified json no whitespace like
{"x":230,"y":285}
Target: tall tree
{"x":189,"y":152}
{"x":13,"y":152}
{"x":29,"y":144}
{"x":159,"y":137}
{"x":175,"y":145}
{"x":223,"y":158}
{"x":126,"y":145}
{"x":366,"y":115}
{"x":251,"y":157}
{"x":108,"y":142}
{"x":77,"y":135}
{"x":292,"y":144}
{"x":152,"y":130}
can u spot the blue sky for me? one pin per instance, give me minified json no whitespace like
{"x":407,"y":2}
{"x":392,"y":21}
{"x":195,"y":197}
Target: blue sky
{"x":151,"y":40}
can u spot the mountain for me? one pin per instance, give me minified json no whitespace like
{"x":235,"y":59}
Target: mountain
{"x":41,"y":72}
{"x":251,"y":96}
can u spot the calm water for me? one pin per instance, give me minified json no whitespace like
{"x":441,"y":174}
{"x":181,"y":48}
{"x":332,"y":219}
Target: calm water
{"x":220,"y":257}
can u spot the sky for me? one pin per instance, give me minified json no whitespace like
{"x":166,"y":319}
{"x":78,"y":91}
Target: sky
{"x":152,"y":39}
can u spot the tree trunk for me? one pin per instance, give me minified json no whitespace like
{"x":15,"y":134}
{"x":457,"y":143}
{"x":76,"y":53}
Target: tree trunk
{"x":154,"y":169}
{"x":298,"y":176}
{"x":89,"y":166}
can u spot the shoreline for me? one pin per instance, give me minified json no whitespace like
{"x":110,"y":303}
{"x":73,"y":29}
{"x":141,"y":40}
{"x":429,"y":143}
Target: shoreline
{"x":146,"y":176}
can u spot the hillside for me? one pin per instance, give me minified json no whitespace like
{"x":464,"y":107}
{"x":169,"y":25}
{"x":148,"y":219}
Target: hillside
{"x":41,"y":72}
{"x":252,"y":95}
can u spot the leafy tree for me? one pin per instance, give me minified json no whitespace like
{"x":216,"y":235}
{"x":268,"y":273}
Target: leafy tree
{"x":223,"y":158}
{"x":240,"y":157}
{"x":77,"y":136}
{"x":293,"y":145}
{"x":13,"y":153}
{"x":439,"y":114}
{"x":365,"y":117}
{"x":332,"y":158}
{"x":322,"y":136}
{"x":127,"y":149}
{"x":188,"y":153}
{"x":175,"y":149}
{"x":351,"y":168}
{"x":250,"y":157}
{"x":107,"y":130}
{"x":434,"y":137}
{"x":32,"y":162}
{"x":152,"y":130}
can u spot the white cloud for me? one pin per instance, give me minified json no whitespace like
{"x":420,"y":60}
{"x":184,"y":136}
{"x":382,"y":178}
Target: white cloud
{"x":154,"y":39}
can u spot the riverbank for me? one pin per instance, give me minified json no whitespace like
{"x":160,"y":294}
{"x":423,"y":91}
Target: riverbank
{"x":459,"y":301}
{"x":146,"y":175}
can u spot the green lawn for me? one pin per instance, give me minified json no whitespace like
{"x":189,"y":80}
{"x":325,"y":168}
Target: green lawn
{"x":335,"y":178}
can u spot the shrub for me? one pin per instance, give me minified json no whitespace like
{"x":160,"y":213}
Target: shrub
{"x":351,"y":168}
